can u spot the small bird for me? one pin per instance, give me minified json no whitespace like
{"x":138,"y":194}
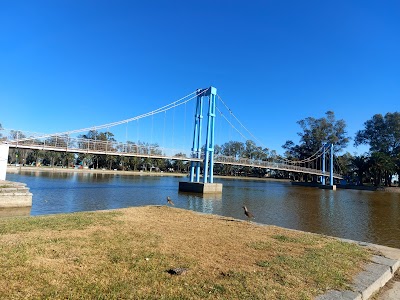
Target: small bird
{"x":169,"y":201}
{"x":248,"y":214}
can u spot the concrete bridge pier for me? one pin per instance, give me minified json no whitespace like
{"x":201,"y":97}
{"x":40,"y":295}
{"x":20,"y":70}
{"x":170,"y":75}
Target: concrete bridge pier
{"x":4,"y":148}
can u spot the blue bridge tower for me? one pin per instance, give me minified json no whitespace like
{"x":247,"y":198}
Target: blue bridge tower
{"x":323,"y":179}
{"x":207,"y":185}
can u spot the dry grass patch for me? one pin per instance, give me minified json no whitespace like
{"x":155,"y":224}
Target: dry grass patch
{"x":125,"y":254}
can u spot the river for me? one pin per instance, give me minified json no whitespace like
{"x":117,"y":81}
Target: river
{"x":358,"y":215}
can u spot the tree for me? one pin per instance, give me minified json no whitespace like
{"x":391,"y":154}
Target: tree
{"x":315,"y":133}
{"x":397,"y":166}
{"x":250,"y":149}
{"x":382,"y":168}
{"x":111,"y":161}
{"x":67,"y":159}
{"x":233,"y":148}
{"x":180,"y":165}
{"x":360,"y":165}
{"x":382,"y":134}
{"x":16,"y":134}
{"x":344,"y":162}
{"x":133,"y":162}
{"x":217,"y":149}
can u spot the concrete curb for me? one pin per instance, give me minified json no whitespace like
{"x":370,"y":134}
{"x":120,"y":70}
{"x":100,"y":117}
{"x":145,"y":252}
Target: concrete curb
{"x":374,"y":276}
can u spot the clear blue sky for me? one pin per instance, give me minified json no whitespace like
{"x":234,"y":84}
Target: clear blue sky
{"x":72,"y":64}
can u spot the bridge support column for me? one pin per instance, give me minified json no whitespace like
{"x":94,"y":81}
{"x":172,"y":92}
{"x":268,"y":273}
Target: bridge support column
{"x":208,"y":185}
{"x":331,"y":170}
{"x":196,"y":148}
{"x":331,"y":186}
{"x":4,"y":148}
{"x":209,"y":149}
{"x":323,"y":167}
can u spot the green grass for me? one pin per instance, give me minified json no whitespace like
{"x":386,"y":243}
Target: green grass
{"x":77,"y":221}
{"x":126,"y":255}
{"x":323,"y":265}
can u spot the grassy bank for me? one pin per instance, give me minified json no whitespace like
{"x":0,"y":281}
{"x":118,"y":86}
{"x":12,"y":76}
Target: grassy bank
{"x":127,"y":253}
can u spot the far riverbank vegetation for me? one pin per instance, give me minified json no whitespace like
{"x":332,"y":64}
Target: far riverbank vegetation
{"x":380,"y":166}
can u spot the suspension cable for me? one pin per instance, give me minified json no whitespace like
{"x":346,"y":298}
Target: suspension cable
{"x":165,"y":108}
{"x":222,"y":115}
{"x":231,"y":112}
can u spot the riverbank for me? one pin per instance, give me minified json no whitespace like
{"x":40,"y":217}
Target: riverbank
{"x":133,"y":253}
{"x":14,"y":169}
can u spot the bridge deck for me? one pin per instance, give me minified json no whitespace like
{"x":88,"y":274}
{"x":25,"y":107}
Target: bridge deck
{"x":119,"y":149}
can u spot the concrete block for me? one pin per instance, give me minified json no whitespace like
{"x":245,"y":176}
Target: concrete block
{"x":372,"y":279}
{"x":16,"y":200}
{"x":328,"y":187}
{"x":391,"y":263}
{"x":14,"y":194}
{"x":340,"y":295}
{"x":199,"y":187}
{"x":15,"y":211}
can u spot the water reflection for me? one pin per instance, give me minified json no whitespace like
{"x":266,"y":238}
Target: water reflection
{"x":207,"y":203}
{"x":360,"y":215}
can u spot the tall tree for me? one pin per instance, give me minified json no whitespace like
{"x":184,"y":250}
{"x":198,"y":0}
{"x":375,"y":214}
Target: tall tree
{"x":233,"y":148}
{"x":250,"y":149}
{"x":317,"y":132}
{"x":382,"y":134}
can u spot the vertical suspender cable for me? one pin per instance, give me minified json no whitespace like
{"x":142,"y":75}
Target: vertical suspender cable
{"x":151,"y":134}
{"x":184,"y":130}
{"x":173,"y":123}
{"x":137,"y":137}
{"x":126,"y":137}
{"x":165,"y":114}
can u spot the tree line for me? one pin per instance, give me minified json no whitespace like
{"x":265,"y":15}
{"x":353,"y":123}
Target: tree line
{"x":377,"y":166}
{"x":381,"y":133}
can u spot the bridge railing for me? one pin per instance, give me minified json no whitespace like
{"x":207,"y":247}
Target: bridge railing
{"x":82,"y":145}
{"x":267,"y":165}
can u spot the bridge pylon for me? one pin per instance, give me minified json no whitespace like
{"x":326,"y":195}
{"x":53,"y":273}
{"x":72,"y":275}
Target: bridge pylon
{"x":331,"y":185}
{"x":194,"y":184}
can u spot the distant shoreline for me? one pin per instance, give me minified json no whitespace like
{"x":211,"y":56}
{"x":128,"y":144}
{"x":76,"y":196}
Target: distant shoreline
{"x":13,"y":169}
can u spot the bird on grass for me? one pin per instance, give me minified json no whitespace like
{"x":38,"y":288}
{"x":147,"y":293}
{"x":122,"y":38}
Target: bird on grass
{"x":169,"y":201}
{"x":248,"y":214}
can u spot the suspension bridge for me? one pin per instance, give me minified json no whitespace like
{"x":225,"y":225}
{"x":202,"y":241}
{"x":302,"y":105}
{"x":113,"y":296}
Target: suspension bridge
{"x":201,"y":156}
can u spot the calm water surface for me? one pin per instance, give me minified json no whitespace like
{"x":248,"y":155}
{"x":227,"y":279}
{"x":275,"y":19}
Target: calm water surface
{"x":359,"y":215}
